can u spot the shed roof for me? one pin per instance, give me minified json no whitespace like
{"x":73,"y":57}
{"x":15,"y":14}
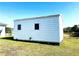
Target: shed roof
{"x":37,"y":17}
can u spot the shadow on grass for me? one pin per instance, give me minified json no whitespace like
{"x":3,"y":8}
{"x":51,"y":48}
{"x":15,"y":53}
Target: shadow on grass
{"x":40,"y":42}
{"x":8,"y":38}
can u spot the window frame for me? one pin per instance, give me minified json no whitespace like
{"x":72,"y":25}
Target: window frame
{"x":36,"y":26}
{"x":19,"y":27}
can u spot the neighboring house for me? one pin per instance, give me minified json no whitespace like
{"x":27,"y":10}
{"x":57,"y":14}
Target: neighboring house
{"x":44,"y":28}
{"x":2,"y":30}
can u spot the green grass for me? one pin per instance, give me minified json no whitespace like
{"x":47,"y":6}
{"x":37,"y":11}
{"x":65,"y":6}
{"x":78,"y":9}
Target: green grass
{"x":69,"y":47}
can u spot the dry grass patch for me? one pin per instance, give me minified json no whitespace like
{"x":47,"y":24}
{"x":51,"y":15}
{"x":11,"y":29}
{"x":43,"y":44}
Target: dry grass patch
{"x":69,"y":47}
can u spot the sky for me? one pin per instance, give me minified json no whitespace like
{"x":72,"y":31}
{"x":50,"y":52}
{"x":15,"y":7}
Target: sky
{"x":10,"y":11}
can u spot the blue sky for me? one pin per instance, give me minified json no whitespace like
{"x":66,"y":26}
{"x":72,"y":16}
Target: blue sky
{"x":9,"y":11}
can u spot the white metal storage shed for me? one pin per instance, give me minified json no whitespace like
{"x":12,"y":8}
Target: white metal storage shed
{"x":45,"y":28}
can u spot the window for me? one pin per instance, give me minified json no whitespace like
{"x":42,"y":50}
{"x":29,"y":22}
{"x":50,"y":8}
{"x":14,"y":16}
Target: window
{"x":19,"y":27}
{"x":37,"y":26}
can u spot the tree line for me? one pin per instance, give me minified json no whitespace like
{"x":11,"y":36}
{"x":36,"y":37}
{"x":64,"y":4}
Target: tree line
{"x":73,"y":31}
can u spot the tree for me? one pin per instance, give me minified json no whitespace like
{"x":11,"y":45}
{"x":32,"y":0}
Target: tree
{"x":73,"y":31}
{"x":67,"y":30}
{"x":75,"y":28}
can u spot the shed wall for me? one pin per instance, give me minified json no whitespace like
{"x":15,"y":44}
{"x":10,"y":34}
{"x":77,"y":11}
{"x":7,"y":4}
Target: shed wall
{"x":61,"y":27}
{"x":48,"y":29}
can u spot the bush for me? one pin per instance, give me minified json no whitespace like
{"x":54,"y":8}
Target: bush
{"x":75,"y":34}
{"x":72,"y":31}
{"x":67,"y":30}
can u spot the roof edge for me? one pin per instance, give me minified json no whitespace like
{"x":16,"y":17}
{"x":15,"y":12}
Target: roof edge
{"x":37,"y":17}
{"x":2,"y":24}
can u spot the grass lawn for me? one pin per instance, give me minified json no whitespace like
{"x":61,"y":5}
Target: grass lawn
{"x":69,"y":47}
